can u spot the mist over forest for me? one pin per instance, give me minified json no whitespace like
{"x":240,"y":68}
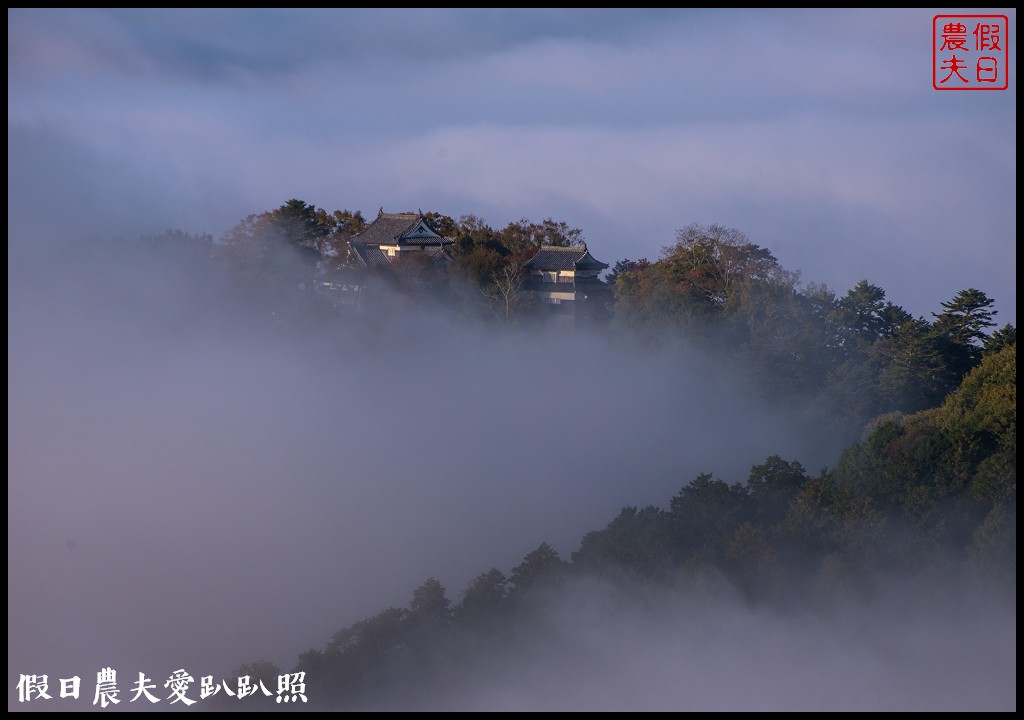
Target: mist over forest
{"x":728,"y":488}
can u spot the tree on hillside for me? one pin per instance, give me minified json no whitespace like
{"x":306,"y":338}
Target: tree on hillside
{"x":523,"y":237}
{"x":698,"y":282}
{"x":444,"y":225}
{"x":635,"y":540}
{"x":299,"y":224}
{"x":966,"y":316}
{"x":484,"y":598}
{"x":704,"y":512}
{"x":477,"y":253}
{"x":920,"y":366}
{"x":714,"y":259}
{"x":863,"y":316}
{"x":429,"y":603}
{"x":964,"y":321}
{"x":1002,"y":338}
{"x":538,"y":568}
{"x":504,"y":293}
{"x":623,"y":266}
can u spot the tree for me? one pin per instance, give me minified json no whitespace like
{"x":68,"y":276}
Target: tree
{"x":943,"y":474}
{"x":623,"y":266}
{"x":751,"y":560}
{"x":849,"y":396}
{"x":470,"y":233}
{"x":773,"y":485}
{"x":712,"y":260}
{"x":316,"y":232}
{"x":333,"y":247}
{"x":347,"y":223}
{"x":538,"y":568}
{"x":980,"y":418}
{"x":863,"y":316}
{"x":382,"y":625}
{"x":477,"y":254}
{"x":429,"y":604}
{"x":442,"y":224}
{"x":300,"y":224}
{"x":281,"y":249}
{"x":636,"y":540}
{"x":276,"y":275}
{"x":1004,"y":337}
{"x":711,"y":273}
{"x":484,"y":597}
{"x":782,"y":338}
{"x":429,"y":616}
{"x":504,"y":293}
{"x":705,"y":512}
{"x":966,"y":316}
{"x":920,"y":366}
{"x":524,"y":238}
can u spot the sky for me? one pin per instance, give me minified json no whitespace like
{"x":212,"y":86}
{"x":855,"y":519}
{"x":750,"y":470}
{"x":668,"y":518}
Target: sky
{"x":815,"y":132}
{"x":186,"y":488}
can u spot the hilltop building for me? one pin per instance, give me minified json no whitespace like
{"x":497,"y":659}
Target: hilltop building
{"x":566,"y":279}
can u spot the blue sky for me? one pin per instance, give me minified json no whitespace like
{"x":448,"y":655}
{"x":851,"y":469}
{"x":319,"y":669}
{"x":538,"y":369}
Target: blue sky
{"x":815,"y":132}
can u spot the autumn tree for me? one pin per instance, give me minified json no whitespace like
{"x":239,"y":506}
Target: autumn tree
{"x":523,"y":238}
{"x":697,"y":281}
{"x":713,"y":260}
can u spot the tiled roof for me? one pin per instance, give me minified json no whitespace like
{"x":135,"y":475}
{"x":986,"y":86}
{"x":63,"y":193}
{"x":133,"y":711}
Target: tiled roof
{"x":386,"y":229}
{"x":564,"y":258}
{"x":391,"y":229}
{"x":370,"y":256}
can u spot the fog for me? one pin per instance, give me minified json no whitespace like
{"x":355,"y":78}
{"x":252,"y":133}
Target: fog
{"x":192,"y":486}
{"x":600,"y":647}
